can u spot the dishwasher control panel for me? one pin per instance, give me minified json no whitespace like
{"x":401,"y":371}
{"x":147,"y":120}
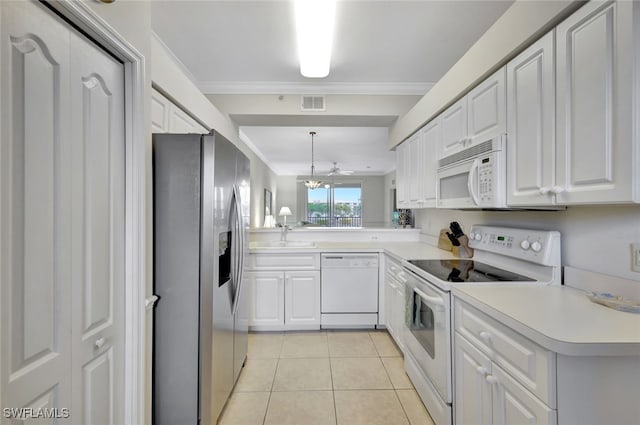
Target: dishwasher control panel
{"x":349,"y":260}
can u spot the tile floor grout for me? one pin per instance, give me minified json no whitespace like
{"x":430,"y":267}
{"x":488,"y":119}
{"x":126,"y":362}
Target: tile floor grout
{"x":338,"y":349}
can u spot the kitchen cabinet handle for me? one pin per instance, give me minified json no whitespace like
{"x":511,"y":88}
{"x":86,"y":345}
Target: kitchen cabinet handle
{"x":557,"y":189}
{"x":544,"y":190}
{"x":486,"y":336}
{"x":481,"y":370}
{"x":99,"y":343}
{"x":491,"y":379}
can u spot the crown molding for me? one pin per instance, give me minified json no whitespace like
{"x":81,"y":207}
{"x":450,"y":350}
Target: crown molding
{"x":283,"y":87}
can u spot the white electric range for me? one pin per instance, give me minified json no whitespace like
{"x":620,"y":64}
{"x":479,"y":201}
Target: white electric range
{"x":502,"y":255}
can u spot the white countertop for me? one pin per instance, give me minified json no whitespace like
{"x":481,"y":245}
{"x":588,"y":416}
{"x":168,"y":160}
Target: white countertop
{"x":399,"y":250}
{"x":559,"y":318}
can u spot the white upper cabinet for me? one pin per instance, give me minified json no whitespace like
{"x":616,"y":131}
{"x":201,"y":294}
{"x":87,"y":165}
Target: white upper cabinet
{"x":597,"y":105}
{"x":431,"y":142}
{"x":167,"y":117}
{"x":454,"y":128}
{"x":477,"y":117}
{"x":416,"y":166}
{"x":487,"y":112}
{"x":530,"y":126}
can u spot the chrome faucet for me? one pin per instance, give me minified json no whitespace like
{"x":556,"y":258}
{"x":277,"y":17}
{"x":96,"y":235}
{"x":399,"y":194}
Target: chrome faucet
{"x":283,"y":232}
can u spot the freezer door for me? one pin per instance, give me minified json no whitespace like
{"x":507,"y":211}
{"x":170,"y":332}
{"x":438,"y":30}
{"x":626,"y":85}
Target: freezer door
{"x":225,"y":233}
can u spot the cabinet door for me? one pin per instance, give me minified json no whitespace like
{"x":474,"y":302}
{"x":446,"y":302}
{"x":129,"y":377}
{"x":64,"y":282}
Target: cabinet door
{"x":267,"y":289}
{"x":302,"y":300}
{"x":595,"y":110}
{"x":513,"y":404}
{"x":389,"y":304}
{"x":160,"y":106}
{"x":398,"y":314}
{"x":531,"y":117}
{"x":431,"y":142}
{"x":402,"y":172}
{"x":415,"y":166}
{"x":472,"y":398}
{"x":487,"y":113}
{"x":181,"y":122}
{"x":454,"y":128}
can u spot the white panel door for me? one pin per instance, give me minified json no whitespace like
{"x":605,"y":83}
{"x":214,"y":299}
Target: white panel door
{"x":487,"y":112}
{"x":399,"y":314}
{"x":531,"y":125}
{"x":431,"y":142}
{"x":302,"y":300}
{"x":454,"y":128}
{"x":98,"y":279}
{"x":413,"y":176}
{"x":267,"y":310}
{"x":472,"y":398}
{"x":513,"y":404}
{"x":160,"y":106}
{"x":180,"y":122}
{"x":595,"y":112}
{"x":402,"y":175}
{"x":35,"y":218}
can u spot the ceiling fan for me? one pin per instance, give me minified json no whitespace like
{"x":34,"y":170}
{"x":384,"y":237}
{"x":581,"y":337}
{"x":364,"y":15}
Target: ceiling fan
{"x":337,"y":171}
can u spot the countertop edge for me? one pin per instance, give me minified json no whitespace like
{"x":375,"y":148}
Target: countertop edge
{"x":576,"y":349}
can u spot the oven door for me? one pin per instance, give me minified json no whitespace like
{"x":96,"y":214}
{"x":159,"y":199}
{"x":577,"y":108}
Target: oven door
{"x":427,"y":333}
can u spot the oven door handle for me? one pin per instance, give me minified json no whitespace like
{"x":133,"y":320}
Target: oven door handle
{"x":427,"y":298}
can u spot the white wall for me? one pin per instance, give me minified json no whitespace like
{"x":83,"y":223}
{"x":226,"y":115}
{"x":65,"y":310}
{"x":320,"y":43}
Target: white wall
{"x":167,"y":76}
{"x":594,"y":238}
{"x":520,"y":25}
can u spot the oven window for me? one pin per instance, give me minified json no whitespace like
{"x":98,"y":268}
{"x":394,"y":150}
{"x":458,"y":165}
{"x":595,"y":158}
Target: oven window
{"x":454,"y":187}
{"x":421,"y":323}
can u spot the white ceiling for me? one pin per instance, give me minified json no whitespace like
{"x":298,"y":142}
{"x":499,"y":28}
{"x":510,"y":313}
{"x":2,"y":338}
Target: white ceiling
{"x":380,"y":46}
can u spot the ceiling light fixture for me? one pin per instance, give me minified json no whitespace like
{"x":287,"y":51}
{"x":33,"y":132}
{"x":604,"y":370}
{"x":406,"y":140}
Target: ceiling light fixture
{"x":311,"y":183}
{"x":315,"y":20}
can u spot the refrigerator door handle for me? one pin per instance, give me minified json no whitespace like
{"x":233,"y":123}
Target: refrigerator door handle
{"x":239,"y":251}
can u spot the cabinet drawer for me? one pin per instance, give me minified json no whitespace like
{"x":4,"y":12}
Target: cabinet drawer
{"x":284,"y":261}
{"x":391,"y":266}
{"x":530,"y":364}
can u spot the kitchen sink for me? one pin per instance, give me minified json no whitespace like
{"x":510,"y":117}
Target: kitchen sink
{"x":284,"y":244}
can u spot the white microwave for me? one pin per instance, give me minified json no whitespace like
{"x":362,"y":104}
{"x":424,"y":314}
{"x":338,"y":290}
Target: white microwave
{"x":475,"y":177}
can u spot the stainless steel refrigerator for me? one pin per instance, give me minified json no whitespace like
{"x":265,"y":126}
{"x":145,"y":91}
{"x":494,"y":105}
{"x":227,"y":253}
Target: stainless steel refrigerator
{"x":201,"y":215}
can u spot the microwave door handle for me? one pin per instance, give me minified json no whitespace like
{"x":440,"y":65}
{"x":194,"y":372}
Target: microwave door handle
{"x":472,"y":182}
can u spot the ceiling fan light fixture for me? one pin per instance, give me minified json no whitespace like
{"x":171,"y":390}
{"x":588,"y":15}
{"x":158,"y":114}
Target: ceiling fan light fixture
{"x":312,"y":183}
{"x":315,"y":22}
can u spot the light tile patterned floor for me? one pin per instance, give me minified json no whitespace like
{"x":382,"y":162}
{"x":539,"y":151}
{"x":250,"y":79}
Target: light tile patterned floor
{"x":324,"y":378}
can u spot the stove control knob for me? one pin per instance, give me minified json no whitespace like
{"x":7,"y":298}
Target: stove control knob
{"x":536,"y":246}
{"x":525,"y":244}
{"x":472,"y":236}
{"x":478,"y":237}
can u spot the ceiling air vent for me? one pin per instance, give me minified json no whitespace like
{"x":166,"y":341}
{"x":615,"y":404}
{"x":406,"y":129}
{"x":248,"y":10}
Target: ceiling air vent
{"x":313,"y":103}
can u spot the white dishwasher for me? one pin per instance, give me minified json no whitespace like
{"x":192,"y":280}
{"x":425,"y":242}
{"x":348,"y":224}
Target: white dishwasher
{"x":349,"y":290}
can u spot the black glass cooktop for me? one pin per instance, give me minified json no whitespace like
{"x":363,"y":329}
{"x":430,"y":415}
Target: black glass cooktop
{"x":461,"y":270}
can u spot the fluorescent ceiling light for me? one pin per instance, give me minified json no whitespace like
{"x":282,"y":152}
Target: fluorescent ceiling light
{"x":315,"y":20}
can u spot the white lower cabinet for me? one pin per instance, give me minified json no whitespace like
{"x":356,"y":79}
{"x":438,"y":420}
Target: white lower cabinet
{"x":484,"y":392}
{"x":394,"y":302}
{"x":284,"y":299}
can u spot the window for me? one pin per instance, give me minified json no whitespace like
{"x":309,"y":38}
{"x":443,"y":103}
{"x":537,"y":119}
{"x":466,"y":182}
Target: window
{"x":335,"y":205}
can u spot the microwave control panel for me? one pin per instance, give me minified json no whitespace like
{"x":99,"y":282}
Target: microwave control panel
{"x":486,"y":187}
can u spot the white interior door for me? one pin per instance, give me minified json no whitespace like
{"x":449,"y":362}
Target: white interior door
{"x":35,"y":218}
{"x":61,"y":221}
{"x":97,"y":96}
